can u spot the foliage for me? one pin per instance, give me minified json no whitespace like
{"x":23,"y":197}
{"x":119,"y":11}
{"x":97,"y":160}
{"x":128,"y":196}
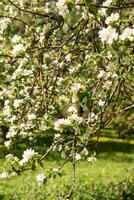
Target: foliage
{"x":66,"y":68}
{"x":124,"y":124}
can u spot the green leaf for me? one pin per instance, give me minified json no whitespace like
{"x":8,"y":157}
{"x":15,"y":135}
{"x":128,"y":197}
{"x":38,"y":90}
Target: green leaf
{"x":93,"y":10}
{"x":70,"y":4}
{"x":123,"y":20}
{"x":88,"y":1}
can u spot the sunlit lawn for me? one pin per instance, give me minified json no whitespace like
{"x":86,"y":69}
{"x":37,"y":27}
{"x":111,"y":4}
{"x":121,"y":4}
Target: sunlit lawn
{"x":114,"y":163}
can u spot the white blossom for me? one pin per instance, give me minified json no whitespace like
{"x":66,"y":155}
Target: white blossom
{"x":101,"y":103}
{"x":85,"y":151}
{"x":68,"y":57}
{"x":4,"y":175}
{"x":107,"y":84}
{"x":31,"y":116}
{"x":12,"y":132}
{"x":12,"y":119}
{"x":101,"y":74}
{"x":76,"y":86}
{"x":74,"y":99}
{"x":7,"y":143}
{"x":128,"y":33}
{"x":61,"y":5}
{"x":114,"y":17}
{"x":108,"y":34}
{"x":17,"y":102}
{"x":27,"y":72}
{"x":17,"y":49}
{"x":16,"y":38}
{"x":76,"y":118}
{"x":77,"y":156}
{"x":27,"y":155}
{"x":92,"y":117}
{"x":61,"y":122}
{"x":55,"y":170}
{"x":92,"y":159}
{"x":9,"y":157}
{"x":3,"y":24}
{"x":17,"y":72}
{"x":106,"y":3}
{"x":102,"y":11}
{"x":114,"y":75}
{"x":72,"y":109}
{"x":40,"y":178}
{"x":57,"y":136}
{"x":7,"y":111}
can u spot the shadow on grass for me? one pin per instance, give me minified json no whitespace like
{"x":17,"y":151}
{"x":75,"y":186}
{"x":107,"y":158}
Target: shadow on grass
{"x":116,"y":151}
{"x":115,"y":146}
{"x":113,"y":150}
{"x":121,"y":158}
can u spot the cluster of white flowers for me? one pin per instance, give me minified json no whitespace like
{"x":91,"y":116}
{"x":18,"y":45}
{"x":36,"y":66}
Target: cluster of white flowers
{"x":3,"y":24}
{"x":75,"y":118}
{"x":27,"y":72}
{"x":16,"y":39}
{"x":30,"y":79}
{"x":40,"y":178}
{"x":101,"y":103}
{"x":21,"y":2}
{"x":92,"y":159}
{"x":10,"y":157}
{"x":17,"y":49}
{"x":57,"y":136}
{"x":17,"y":72}
{"x":4,"y":175}
{"x":92,"y":117}
{"x":7,"y":111}
{"x":60,"y":3}
{"x":76,"y":87}
{"x":106,"y":3}
{"x":72,"y":109}
{"x":128,"y":33}
{"x":12,"y":132}
{"x":101,"y":74}
{"x":61,"y":122}
{"x":62,"y":7}
{"x":114,"y":17}
{"x":68,"y":57}
{"x":107,"y":85}
{"x":17,"y":102}
{"x":85,"y":151}
{"x":108,"y":34}
{"x":77,"y":156}
{"x":12,"y":119}
{"x":28,"y":154}
{"x":7,"y":143}
{"x":31,"y":116}
{"x":55,"y":170}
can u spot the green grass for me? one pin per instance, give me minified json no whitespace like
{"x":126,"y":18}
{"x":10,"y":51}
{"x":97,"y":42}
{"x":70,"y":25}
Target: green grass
{"x":114,"y":163}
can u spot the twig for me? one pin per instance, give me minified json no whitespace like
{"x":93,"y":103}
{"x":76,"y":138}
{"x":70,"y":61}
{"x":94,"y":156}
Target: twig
{"x":14,"y":18}
{"x":131,"y":5}
{"x":129,"y":179}
{"x":74,"y":169}
{"x":127,"y":108}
